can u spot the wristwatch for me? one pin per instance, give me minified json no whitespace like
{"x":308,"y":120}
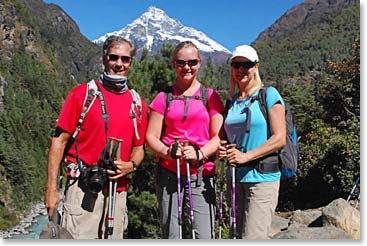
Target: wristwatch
{"x":134,"y":165}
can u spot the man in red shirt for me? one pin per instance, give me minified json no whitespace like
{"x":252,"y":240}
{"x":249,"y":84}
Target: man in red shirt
{"x":85,"y":213}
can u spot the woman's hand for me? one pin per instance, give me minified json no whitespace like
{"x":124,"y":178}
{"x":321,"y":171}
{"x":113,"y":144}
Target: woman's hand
{"x":221,"y":152}
{"x":174,"y":151}
{"x":188,"y":152}
{"x":236,"y":157}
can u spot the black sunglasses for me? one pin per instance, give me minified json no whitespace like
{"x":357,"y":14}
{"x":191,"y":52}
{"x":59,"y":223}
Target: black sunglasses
{"x":191,"y":63}
{"x":245,"y":65}
{"x":124,"y":59}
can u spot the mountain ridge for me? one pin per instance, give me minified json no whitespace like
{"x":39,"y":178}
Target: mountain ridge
{"x":154,"y":27}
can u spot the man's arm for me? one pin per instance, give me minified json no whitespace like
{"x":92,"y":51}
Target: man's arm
{"x":55,"y":155}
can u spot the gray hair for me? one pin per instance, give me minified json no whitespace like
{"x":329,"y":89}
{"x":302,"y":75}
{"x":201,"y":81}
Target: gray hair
{"x":114,"y":40}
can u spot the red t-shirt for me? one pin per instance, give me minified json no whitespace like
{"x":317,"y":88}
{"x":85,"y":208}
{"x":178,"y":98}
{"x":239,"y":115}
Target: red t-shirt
{"x":92,"y":137}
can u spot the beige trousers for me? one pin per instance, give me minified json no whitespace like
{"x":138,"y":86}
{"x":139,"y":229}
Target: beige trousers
{"x":256,"y":204}
{"x":85,"y":215}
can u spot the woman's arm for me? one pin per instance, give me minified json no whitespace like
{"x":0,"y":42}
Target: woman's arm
{"x":276,"y":141}
{"x":210,"y":147}
{"x":153,"y":136}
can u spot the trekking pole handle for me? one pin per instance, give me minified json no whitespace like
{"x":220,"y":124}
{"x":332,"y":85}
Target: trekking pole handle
{"x":185,"y":143}
{"x":173,"y":149}
{"x":223,"y":142}
{"x":231,"y":146}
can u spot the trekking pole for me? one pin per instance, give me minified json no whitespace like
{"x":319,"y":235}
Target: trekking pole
{"x":234,"y":223}
{"x":177,"y":141}
{"x":58,"y":212}
{"x":222,"y":143}
{"x":186,"y":143}
{"x":111,"y":207}
{"x":354,"y":187}
{"x":112,"y":187}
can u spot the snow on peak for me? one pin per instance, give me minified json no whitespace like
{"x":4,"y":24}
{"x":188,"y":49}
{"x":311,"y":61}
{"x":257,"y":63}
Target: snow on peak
{"x":154,"y":27}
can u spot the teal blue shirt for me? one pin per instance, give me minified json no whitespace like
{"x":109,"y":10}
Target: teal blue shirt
{"x":259,"y":132}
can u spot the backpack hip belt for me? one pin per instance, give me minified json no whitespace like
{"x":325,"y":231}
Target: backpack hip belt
{"x":268,"y":164}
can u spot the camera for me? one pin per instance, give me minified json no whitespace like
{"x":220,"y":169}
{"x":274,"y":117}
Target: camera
{"x":92,"y":178}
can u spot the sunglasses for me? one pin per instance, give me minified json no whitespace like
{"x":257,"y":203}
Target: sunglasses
{"x":191,"y":63}
{"x":245,"y":65}
{"x":124,"y":59}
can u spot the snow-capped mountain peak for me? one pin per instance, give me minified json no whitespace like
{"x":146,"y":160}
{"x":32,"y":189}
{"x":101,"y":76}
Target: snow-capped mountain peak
{"x":154,"y":27}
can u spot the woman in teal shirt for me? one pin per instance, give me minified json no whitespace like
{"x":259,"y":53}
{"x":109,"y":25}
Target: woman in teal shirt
{"x":257,"y":189}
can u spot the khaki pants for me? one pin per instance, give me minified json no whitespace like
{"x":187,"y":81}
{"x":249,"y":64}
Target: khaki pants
{"x":256,"y":204}
{"x":85,"y":214}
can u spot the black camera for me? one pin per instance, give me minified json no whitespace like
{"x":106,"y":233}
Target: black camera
{"x":92,"y":178}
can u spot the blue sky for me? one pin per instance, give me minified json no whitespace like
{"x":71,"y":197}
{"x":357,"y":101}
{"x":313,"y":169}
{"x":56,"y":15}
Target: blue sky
{"x":230,"y":23}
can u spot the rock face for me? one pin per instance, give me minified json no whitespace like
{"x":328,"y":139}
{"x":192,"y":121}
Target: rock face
{"x":340,"y":214}
{"x":35,"y":25}
{"x":337,"y":220}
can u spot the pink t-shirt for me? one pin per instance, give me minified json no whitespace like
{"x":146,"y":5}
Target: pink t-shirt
{"x":195,"y":128}
{"x":92,"y":137}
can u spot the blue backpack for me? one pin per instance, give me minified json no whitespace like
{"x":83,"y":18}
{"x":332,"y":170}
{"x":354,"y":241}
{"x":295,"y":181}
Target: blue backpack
{"x":289,"y":154}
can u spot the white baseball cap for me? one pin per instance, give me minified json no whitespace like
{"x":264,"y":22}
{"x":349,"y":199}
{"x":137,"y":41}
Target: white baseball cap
{"x":245,"y":51}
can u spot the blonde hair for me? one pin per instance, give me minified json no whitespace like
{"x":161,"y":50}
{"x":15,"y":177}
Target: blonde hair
{"x":256,"y":83}
{"x":182,"y":45}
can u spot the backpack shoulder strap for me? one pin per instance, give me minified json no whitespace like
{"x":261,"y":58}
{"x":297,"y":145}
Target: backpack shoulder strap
{"x":204,"y":94}
{"x":135,"y":103}
{"x":169,"y":96}
{"x":262,"y":102}
{"x":90,"y":96}
{"x":203,"y":97}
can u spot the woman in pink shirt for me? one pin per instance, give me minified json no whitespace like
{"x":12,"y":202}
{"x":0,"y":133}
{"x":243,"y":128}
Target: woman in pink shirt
{"x":197,"y":119}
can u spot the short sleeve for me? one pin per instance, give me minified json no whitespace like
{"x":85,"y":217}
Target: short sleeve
{"x":159,"y":103}
{"x":215,"y":103}
{"x":72,"y":108}
{"x":273,"y":97}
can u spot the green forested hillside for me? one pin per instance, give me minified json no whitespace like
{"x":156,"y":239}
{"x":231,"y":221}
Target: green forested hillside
{"x":34,"y":85}
{"x":315,"y":65}
{"x":315,"y":68}
{"x":308,"y":46}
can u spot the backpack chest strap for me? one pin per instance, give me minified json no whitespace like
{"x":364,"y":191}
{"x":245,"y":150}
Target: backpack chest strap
{"x":187,"y":100}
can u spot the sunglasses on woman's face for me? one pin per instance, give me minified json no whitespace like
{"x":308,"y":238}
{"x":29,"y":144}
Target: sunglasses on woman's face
{"x":245,"y":65}
{"x":182,"y":63}
{"x":124,"y":59}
